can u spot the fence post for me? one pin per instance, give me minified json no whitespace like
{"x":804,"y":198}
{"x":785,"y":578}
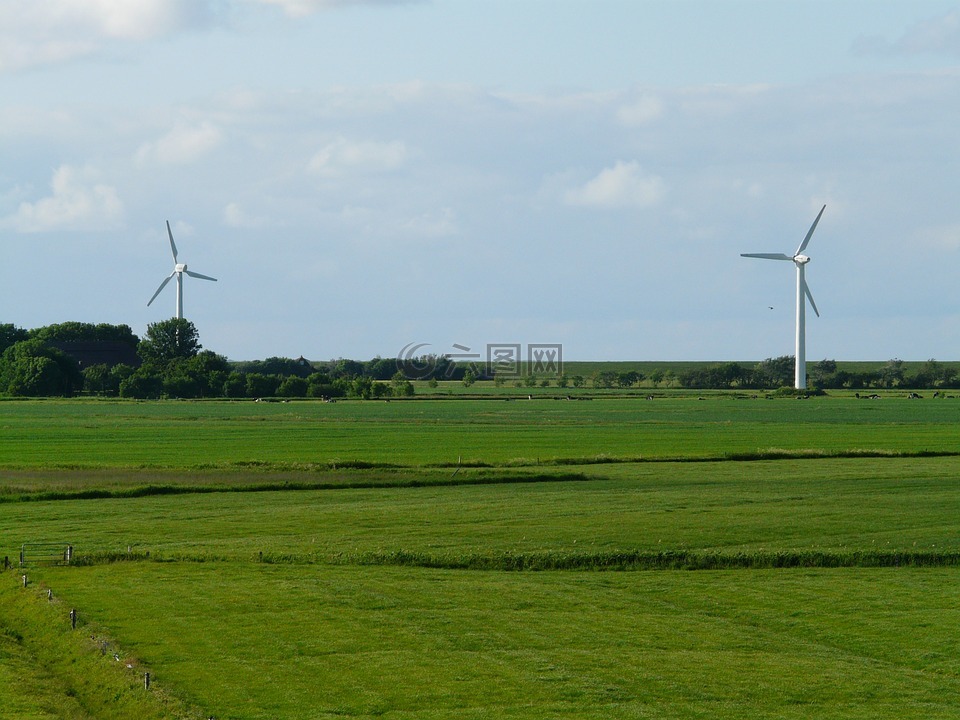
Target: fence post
{"x":69,"y":553}
{"x":24,"y":580}
{"x":146,"y":681}
{"x":73,"y":619}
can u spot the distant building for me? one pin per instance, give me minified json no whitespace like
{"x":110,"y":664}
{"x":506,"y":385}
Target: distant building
{"x":98,"y":352}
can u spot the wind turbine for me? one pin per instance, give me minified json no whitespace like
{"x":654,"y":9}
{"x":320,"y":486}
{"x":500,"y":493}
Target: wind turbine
{"x":179,"y":269}
{"x":800,"y":260}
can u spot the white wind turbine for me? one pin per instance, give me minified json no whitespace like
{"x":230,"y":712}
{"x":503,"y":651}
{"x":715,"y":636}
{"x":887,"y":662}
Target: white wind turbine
{"x":800,"y":260}
{"x":178,"y":269}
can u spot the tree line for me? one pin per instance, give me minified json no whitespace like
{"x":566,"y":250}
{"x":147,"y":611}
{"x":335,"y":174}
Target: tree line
{"x":824,"y":375}
{"x":169,"y":361}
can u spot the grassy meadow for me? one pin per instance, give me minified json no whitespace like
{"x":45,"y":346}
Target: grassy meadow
{"x":482,"y":558}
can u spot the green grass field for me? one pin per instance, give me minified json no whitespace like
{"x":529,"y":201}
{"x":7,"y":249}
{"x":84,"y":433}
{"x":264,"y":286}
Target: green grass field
{"x":312,"y":560}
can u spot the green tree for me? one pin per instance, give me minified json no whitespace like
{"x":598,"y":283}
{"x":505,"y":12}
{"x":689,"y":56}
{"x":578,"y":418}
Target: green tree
{"x":78,"y":331}
{"x":362,"y":387}
{"x":260,"y":385}
{"x":10,"y":335}
{"x":823,"y":372}
{"x":277,"y":366}
{"x":210,"y":371}
{"x":97,"y":379}
{"x":168,"y":340}
{"x":293,"y":386}
{"x":179,"y":382}
{"x":891,"y":374}
{"x":23,"y":373}
{"x":775,"y":372}
{"x":346,"y":368}
{"x":35,"y":376}
{"x":381,"y":368}
{"x":119,"y":373}
{"x":604,"y":379}
{"x":145,"y":383}
{"x":400,"y":386}
{"x":320,"y":385}
{"x":934,"y":374}
{"x":235,"y":385}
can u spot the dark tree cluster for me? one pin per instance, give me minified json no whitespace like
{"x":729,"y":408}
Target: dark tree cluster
{"x":170,"y":362}
{"x":825,"y":375}
{"x":35,"y":363}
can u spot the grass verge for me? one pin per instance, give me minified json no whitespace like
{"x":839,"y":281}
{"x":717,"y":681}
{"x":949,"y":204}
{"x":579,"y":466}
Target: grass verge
{"x":55,"y":671}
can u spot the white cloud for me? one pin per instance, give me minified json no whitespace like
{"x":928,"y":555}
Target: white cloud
{"x":941,"y":34}
{"x":640,"y":112}
{"x":937,"y":35}
{"x":623,"y":185}
{"x":182,"y":145}
{"x":78,"y":202}
{"x":302,"y":8}
{"x":236,"y":216}
{"x":941,"y":238}
{"x":344,"y":157}
{"x":42,"y":33}
{"x":432,"y":226}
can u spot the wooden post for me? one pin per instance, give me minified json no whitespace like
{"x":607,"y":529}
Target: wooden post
{"x":146,"y":681}
{"x":69,"y":553}
{"x":24,"y":580}
{"x":49,"y":594}
{"x":73,"y":619}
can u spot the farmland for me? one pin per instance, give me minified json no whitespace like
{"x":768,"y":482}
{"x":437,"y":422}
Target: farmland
{"x":680,"y":557}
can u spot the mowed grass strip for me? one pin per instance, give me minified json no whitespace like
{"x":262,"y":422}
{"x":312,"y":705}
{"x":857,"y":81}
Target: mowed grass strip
{"x":252,"y":641}
{"x":830,"y":505}
{"x":417,"y":433}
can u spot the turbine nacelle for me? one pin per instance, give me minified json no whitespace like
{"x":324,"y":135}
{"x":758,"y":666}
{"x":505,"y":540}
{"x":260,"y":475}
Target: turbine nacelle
{"x":180,"y":267}
{"x":801,"y":259}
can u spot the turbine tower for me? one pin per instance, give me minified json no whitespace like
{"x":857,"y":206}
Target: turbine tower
{"x":800,"y":260}
{"x":179,"y":269}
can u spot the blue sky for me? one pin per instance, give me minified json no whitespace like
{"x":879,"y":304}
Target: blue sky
{"x":364,"y":175}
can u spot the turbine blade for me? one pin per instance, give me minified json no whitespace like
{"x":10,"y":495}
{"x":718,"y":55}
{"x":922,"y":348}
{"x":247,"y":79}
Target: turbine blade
{"x":191,"y":273}
{"x":768,"y":256}
{"x":806,"y":291}
{"x":173,"y":245}
{"x":813,"y":227}
{"x":162,"y":286}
